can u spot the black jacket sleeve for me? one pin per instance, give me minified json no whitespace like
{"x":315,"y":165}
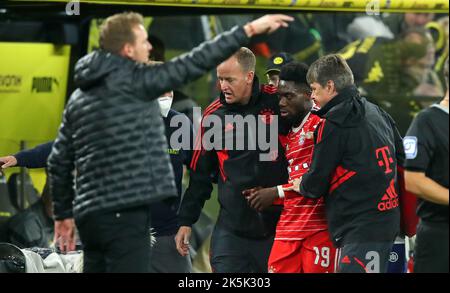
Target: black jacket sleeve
{"x":152,"y":81}
{"x":399,"y":148}
{"x":203,"y":164}
{"x":60,"y":169}
{"x":187,"y":153}
{"x":35,"y":157}
{"x":328,"y":152}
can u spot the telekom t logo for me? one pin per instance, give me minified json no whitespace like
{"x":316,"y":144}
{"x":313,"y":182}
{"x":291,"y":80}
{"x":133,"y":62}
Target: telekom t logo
{"x":384,"y":156}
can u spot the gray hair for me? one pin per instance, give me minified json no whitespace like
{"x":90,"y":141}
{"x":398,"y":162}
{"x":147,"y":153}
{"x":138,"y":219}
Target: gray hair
{"x":331,"y":67}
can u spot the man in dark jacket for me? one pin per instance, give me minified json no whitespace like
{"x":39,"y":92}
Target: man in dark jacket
{"x":354,"y":166}
{"x":243,"y":237}
{"x":426,"y":175}
{"x":112,"y":135}
{"x":33,"y":158}
{"x":164,"y":217}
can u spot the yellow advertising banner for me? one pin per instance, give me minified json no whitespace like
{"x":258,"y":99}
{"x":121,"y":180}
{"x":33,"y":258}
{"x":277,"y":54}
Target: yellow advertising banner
{"x":33,"y":84}
{"x":370,"y":6}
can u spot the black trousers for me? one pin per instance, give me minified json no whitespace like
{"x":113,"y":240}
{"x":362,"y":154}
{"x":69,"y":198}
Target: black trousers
{"x":231,"y":253}
{"x":116,"y":242}
{"x":431,"y":249}
{"x":371,"y":257}
{"x":166,"y":259}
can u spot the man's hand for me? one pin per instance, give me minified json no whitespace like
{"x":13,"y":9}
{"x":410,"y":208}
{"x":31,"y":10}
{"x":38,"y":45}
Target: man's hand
{"x":260,"y":198}
{"x":267,"y":24}
{"x":182,"y":240}
{"x":8,"y":161}
{"x":295,"y":185}
{"x":65,"y":235}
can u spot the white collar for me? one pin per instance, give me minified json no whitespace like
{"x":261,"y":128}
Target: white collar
{"x":297,"y":129}
{"x":439,"y":106}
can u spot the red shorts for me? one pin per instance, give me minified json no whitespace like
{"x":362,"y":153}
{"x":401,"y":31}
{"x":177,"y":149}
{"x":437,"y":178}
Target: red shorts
{"x":315,"y":254}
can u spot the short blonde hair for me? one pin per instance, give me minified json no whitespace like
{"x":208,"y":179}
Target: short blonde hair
{"x":246,"y":59}
{"x":117,"y":30}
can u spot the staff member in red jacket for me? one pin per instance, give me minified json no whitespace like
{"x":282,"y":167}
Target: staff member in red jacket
{"x":242,"y":237}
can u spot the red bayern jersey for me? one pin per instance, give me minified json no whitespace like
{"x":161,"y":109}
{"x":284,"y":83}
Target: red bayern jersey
{"x":301,"y":216}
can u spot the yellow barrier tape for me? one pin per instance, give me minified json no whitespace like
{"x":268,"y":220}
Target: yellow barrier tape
{"x":369,"y":6}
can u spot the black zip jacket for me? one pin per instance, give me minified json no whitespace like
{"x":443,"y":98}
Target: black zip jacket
{"x":354,"y":166}
{"x":237,"y":170}
{"x":112,"y":132}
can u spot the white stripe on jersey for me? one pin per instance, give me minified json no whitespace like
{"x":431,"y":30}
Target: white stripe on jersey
{"x":301,"y":230}
{"x":308,"y":206}
{"x":302,"y":221}
{"x":305,"y":214}
{"x":299,"y":150}
{"x":283,"y":238}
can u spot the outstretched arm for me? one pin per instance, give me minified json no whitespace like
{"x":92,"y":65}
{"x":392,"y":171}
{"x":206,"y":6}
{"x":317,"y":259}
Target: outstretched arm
{"x":152,"y":81}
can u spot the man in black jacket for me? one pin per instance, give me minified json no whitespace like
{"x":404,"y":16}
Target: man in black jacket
{"x":426,"y":175}
{"x":112,"y":135}
{"x":242,"y":237}
{"x":34,"y":158}
{"x":354,"y":166}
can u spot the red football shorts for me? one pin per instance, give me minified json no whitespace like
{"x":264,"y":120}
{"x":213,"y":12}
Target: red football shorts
{"x":315,"y":254}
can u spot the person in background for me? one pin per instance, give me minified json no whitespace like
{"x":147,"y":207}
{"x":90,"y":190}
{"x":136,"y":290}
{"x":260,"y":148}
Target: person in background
{"x":158,"y":49}
{"x":274,"y":66}
{"x":164,"y":255}
{"x":34,"y":226}
{"x":382,"y":66}
{"x":32,"y":158}
{"x":426,"y":175}
{"x":398,"y":23}
{"x":181,"y":102}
